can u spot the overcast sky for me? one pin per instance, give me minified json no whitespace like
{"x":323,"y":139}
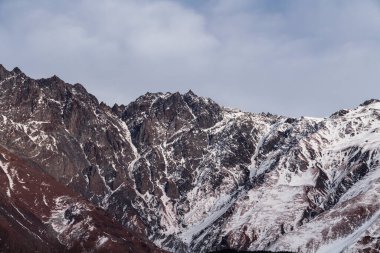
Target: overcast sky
{"x":295,"y":58}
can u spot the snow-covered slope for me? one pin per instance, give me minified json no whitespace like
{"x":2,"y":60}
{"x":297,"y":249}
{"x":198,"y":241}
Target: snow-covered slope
{"x":192,"y":176}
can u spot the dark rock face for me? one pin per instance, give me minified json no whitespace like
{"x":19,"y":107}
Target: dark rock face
{"x":185,"y":173}
{"x":39,"y":214}
{"x":64,"y":132}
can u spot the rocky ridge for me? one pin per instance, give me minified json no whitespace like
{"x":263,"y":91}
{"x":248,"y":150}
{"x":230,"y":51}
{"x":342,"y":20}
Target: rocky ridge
{"x":191,"y":176}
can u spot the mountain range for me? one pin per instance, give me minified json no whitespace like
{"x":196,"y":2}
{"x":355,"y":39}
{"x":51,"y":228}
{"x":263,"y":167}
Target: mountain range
{"x":173,"y":172}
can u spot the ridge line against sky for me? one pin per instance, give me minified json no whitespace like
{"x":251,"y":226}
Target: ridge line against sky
{"x":288,"y":57}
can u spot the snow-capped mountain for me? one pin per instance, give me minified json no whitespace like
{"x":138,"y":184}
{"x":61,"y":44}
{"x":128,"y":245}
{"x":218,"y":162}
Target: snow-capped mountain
{"x":183,"y":173}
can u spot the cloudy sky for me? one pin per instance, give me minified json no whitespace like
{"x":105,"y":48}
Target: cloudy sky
{"x":296,"y":57}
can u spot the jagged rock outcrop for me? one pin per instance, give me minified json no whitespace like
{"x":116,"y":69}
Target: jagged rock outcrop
{"x":192,"y":176}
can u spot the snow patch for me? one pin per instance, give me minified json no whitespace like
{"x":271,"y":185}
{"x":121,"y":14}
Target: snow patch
{"x":7,"y":171}
{"x":101,"y":240}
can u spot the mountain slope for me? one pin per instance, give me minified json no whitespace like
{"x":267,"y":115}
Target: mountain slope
{"x":38,"y":213}
{"x":192,"y":176}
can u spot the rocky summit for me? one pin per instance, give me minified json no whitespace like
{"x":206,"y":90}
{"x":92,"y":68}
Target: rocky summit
{"x":175,"y":172}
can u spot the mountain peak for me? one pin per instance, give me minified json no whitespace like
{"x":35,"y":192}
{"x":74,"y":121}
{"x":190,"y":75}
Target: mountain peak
{"x":55,"y":78}
{"x":17,"y":71}
{"x":2,"y":68}
{"x":3,"y":72}
{"x":80,"y":87}
{"x":370,"y":101}
{"x":190,"y":93}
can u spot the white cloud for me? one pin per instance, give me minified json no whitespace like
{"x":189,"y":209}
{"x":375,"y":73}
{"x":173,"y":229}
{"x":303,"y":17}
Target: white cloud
{"x":297,"y":57}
